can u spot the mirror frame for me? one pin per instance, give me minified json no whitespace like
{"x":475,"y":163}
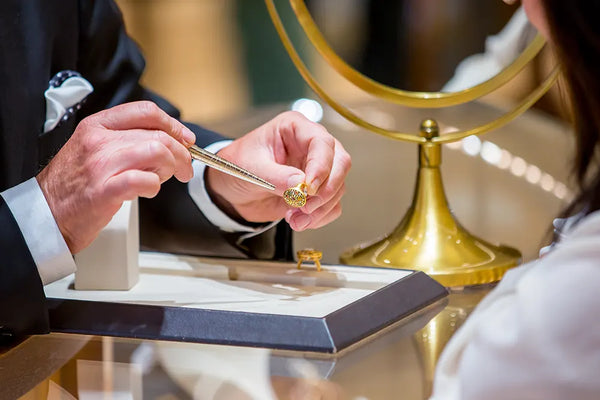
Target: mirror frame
{"x":399,"y":96}
{"x":403,"y":97}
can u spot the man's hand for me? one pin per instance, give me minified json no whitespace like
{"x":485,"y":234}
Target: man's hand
{"x":113,"y":156}
{"x":286,"y":151}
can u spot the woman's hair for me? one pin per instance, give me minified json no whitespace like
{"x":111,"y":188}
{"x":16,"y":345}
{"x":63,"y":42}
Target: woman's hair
{"x":575,"y":32}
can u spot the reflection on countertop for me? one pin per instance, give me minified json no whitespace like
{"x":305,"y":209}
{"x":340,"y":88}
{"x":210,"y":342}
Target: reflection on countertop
{"x":399,"y":360}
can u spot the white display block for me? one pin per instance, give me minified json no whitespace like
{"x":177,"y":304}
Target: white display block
{"x":111,"y":261}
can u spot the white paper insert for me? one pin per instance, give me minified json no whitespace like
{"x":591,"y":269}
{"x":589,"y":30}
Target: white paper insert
{"x":240,"y":285}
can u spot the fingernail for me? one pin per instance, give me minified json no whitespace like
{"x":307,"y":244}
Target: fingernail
{"x":313,"y":186}
{"x":189,"y":136}
{"x":300,"y":221}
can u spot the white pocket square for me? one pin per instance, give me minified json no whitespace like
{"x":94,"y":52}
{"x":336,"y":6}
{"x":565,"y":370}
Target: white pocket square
{"x":64,"y":95}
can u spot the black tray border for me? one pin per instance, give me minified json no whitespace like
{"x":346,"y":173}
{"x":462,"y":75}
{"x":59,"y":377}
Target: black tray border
{"x":328,"y":334}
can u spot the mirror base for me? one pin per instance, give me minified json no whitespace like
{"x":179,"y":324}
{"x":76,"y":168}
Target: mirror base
{"x":429,"y":238}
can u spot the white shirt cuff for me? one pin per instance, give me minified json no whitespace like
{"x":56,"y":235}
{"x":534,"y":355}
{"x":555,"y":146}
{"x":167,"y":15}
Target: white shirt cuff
{"x":197,"y":190}
{"x":48,"y":248}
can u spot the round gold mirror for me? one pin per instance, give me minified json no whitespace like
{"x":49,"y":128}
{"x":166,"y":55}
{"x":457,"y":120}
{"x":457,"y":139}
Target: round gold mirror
{"x":418,"y":46}
{"x":428,"y":238}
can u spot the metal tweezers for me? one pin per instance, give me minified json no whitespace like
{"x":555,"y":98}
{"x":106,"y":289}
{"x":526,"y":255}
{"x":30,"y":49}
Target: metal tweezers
{"x":227,"y":167}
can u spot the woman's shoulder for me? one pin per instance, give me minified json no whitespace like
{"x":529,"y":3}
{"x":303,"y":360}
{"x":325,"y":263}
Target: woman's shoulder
{"x":537,"y":334}
{"x":559,"y":293}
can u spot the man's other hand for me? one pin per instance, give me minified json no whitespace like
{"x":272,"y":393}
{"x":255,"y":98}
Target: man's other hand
{"x":115,"y":155}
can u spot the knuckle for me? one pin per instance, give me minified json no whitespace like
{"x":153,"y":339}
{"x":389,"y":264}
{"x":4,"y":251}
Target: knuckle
{"x":148,"y":109}
{"x":159,"y":137}
{"x":91,"y":142}
{"x":156,"y":149}
{"x":85,"y":124}
{"x":326,"y":137}
{"x":94,"y":119}
{"x":293,"y":115}
{"x":346,"y":161}
{"x":294,"y":120}
{"x":176,"y":129}
{"x":337,"y":210}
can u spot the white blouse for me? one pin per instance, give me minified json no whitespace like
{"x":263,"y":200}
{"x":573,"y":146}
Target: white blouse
{"x":537,"y":335}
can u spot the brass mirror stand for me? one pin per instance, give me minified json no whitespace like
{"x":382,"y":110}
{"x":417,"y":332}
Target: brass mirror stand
{"x":428,"y":237}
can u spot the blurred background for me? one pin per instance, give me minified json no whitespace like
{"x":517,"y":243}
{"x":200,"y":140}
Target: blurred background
{"x":218,"y":57}
{"x":223,"y":65}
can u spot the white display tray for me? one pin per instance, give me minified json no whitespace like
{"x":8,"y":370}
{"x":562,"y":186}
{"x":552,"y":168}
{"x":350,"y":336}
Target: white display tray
{"x":245,"y":302}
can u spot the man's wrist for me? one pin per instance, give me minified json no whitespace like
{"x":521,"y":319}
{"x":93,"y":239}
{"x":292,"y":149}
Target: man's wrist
{"x":46,"y":244}
{"x":220,"y":201}
{"x":198,"y":191}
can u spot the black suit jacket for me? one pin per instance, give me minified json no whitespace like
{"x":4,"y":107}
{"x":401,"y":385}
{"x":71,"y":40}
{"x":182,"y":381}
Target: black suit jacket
{"x":39,"y":38}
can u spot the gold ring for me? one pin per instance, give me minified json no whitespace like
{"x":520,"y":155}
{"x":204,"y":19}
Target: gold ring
{"x":296,"y":196}
{"x":310,"y":255}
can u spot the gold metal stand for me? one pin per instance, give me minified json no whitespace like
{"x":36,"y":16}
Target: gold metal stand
{"x":430,"y":239}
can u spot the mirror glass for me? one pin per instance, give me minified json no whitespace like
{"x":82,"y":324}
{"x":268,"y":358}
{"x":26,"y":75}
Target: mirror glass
{"x":424,"y":45}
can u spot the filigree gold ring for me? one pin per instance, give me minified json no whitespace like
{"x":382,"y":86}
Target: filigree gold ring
{"x":296,"y":196}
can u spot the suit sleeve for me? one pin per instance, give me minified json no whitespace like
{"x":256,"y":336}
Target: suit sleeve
{"x":171,"y":222}
{"x":22,"y":300}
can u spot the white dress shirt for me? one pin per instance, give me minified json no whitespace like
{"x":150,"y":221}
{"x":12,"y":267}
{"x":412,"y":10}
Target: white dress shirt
{"x":48,"y":248}
{"x":537,"y":335}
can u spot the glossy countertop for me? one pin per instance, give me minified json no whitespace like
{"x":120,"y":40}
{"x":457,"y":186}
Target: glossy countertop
{"x":395,"y":363}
